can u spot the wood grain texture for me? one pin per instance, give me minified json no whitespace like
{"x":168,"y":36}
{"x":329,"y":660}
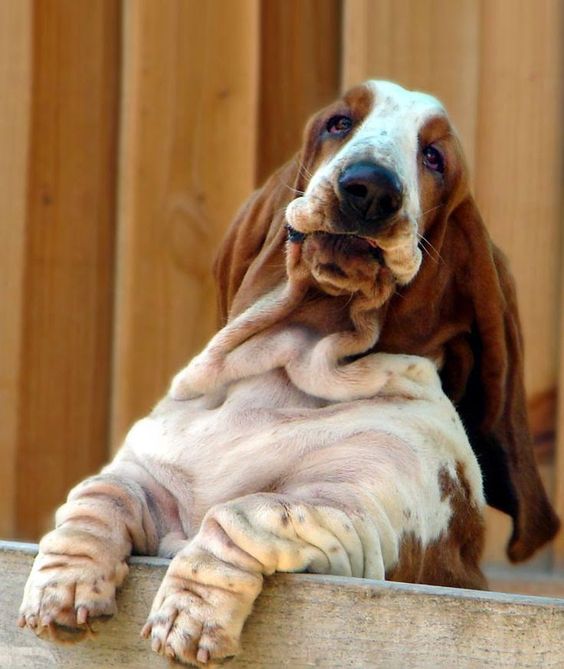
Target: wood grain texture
{"x":519,"y":149}
{"x":187,"y":163}
{"x":68,"y":258}
{"x":428,"y":45}
{"x":15,"y":93}
{"x":303,"y":620}
{"x":519,"y":176}
{"x":300,"y":65}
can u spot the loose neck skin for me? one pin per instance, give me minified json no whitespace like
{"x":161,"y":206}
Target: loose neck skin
{"x":276,"y":332}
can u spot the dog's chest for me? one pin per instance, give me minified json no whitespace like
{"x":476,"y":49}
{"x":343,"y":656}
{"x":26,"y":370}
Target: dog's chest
{"x":207,"y":451}
{"x":230,"y":446}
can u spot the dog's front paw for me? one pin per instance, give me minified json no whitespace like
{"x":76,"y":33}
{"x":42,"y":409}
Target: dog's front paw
{"x":195,"y":622}
{"x":183,"y":628}
{"x":65,"y":592}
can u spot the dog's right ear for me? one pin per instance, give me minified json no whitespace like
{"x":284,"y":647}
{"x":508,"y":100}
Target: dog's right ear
{"x":493,"y":403}
{"x":250,"y":260}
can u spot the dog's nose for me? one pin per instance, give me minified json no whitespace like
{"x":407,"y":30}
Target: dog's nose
{"x":370,"y":191}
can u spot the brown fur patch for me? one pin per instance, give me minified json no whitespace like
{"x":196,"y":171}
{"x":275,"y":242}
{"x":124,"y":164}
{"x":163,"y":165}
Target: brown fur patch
{"x":453,"y":560}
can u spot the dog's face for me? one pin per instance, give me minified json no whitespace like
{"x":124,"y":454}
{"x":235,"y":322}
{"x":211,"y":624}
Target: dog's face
{"x":375,"y":165}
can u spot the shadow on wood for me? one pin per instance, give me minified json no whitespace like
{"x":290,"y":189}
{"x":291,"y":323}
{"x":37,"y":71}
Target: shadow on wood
{"x":304,"y":620}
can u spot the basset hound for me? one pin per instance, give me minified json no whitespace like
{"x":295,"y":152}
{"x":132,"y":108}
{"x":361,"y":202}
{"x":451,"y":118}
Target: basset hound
{"x":360,"y":405}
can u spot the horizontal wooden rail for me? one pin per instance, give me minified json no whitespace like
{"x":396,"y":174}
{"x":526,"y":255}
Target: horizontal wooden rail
{"x":304,"y":620}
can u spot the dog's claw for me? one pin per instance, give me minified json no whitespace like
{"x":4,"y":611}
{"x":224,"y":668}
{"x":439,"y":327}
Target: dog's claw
{"x":203,"y":655}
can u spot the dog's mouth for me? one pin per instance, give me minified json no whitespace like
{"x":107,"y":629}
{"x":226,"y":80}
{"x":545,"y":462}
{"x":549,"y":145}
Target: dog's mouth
{"x":345,"y":243}
{"x":341,"y":263}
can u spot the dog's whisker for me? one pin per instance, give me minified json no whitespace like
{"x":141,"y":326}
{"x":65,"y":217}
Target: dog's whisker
{"x":424,"y":247}
{"x":428,"y":211}
{"x":294,"y":190}
{"x":427,"y":247}
{"x":305,"y":172}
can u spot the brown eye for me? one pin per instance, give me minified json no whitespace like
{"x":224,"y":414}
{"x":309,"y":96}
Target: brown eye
{"x":339,"y":125}
{"x":433,"y":159}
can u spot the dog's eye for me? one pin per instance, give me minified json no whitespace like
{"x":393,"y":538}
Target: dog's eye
{"x":433,"y":159}
{"x":339,"y":125}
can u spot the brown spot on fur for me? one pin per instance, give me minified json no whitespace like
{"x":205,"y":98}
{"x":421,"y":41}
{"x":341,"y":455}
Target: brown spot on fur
{"x":447,"y":485}
{"x":453,"y":559}
{"x":274,"y":486}
{"x":360,"y":101}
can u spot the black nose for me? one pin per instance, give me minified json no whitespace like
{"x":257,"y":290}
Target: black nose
{"x":370,"y":191}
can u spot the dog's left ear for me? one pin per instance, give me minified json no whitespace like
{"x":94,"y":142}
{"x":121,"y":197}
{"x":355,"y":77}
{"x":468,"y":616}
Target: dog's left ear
{"x":493,"y":407}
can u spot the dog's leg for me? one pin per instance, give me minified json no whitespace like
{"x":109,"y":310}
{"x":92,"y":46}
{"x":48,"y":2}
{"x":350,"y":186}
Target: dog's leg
{"x":82,"y":561}
{"x":210,"y":587}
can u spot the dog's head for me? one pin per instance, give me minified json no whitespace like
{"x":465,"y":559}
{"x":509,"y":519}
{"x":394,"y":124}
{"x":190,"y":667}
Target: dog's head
{"x":374,"y":168}
{"x":377,"y":204}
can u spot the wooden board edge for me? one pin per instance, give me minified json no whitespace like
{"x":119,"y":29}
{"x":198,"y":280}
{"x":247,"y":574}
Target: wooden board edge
{"x":155,"y":567}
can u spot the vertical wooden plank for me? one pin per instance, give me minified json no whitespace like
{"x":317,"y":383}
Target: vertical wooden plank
{"x":187,"y":162}
{"x":66,"y":324}
{"x":519,"y":150}
{"x":519,"y":183}
{"x":428,"y":45}
{"x":300,"y":72}
{"x":15,"y":87}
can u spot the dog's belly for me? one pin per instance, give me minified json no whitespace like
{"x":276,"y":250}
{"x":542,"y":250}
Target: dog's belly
{"x":204,"y":452}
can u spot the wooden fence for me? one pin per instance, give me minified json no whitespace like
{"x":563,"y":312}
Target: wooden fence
{"x":131,"y":130}
{"x":306,"y":620}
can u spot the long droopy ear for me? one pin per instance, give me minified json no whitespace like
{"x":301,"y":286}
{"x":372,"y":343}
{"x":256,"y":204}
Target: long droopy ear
{"x":493,"y":406}
{"x":250,"y":261}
